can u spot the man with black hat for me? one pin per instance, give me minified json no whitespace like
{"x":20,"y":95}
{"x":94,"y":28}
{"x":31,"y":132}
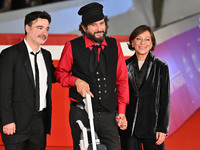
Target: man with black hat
{"x":94,"y":63}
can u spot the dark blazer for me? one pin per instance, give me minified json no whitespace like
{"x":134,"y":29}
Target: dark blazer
{"x":149,"y":109}
{"x":17,"y":95}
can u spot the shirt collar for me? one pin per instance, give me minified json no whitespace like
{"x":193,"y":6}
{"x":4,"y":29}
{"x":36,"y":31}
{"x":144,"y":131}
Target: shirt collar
{"x":89,"y":43}
{"x":29,"y":48}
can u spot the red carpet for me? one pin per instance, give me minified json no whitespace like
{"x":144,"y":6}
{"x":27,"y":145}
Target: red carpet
{"x":187,"y":137}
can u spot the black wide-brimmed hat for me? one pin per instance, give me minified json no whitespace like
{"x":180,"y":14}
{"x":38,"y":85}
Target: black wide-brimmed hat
{"x":91,"y":12}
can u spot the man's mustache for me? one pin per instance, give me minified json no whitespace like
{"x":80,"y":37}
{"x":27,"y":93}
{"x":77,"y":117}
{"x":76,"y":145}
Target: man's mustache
{"x":99,"y":32}
{"x":44,"y":36}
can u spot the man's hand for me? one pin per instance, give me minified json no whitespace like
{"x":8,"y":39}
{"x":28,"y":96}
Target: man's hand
{"x":9,"y":129}
{"x":121,"y":121}
{"x":160,"y":137}
{"x":82,"y":87}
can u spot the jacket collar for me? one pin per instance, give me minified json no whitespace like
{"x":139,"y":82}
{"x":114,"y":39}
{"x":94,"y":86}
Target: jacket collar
{"x":132,"y":63}
{"x":26,"y":61}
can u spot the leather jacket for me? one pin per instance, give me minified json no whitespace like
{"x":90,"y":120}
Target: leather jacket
{"x":149,"y":109}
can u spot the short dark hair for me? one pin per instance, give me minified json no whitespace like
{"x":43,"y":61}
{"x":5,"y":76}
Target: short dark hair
{"x":85,"y":25}
{"x":140,"y":29}
{"x":29,"y":18}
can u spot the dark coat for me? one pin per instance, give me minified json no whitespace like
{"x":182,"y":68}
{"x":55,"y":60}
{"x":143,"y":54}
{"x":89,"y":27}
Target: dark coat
{"x":17,"y":90}
{"x":149,"y":109}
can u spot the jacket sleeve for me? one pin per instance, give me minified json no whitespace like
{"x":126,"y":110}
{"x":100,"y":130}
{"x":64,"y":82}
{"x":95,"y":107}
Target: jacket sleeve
{"x":164,"y":104}
{"x":6,"y":87}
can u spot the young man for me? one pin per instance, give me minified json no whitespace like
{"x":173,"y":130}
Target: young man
{"x":26,"y":77}
{"x":94,"y":63}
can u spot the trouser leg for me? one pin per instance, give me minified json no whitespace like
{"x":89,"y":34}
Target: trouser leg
{"x":74,"y":115}
{"x":107,"y":130}
{"x":149,"y":144}
{"x":34,"y":139}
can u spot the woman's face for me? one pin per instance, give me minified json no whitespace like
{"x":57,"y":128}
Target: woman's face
{"x":142,"y":44}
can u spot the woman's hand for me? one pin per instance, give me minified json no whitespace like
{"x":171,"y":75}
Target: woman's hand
{"x":160,"y":137}
{"x":121,"y":121}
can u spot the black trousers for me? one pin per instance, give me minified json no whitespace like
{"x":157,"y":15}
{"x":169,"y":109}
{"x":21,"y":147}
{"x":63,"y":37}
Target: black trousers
{"x":35,"y":139}
{"x":134,"y":143}
{"x":104,"y":124}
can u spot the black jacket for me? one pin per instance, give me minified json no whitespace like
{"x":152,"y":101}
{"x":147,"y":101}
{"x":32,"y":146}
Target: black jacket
{"x":17,"y":90}
{"x":149,"y":109}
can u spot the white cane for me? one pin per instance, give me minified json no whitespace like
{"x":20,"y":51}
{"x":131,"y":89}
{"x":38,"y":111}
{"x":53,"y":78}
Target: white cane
{"x":88,"y":108}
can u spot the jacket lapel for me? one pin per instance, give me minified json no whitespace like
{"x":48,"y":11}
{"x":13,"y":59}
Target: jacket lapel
{"x":26,"y":61}
{"x":46,"y":63}
{"x":149,"y":69}
{"x":131,"y":73}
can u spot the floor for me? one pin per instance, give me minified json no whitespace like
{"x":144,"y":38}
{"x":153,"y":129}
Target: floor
{"x":185,"y":138}
{"x":49,"y":148}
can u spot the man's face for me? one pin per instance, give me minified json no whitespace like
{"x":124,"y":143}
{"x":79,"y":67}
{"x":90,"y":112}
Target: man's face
{"x":37,"y":33}
{"x":96,"y":31}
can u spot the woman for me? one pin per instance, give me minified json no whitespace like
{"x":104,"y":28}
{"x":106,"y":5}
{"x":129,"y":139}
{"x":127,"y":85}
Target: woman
{"x":149,"y":109}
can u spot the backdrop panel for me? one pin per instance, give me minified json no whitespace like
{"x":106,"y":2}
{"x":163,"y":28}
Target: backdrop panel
{"x":180,"y":52}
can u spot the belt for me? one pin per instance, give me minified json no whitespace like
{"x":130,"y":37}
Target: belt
{"x":101,"y":108}
{"x":78,"y":104}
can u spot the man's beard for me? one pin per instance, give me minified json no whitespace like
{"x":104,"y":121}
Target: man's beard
{"x":93,"y":38}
